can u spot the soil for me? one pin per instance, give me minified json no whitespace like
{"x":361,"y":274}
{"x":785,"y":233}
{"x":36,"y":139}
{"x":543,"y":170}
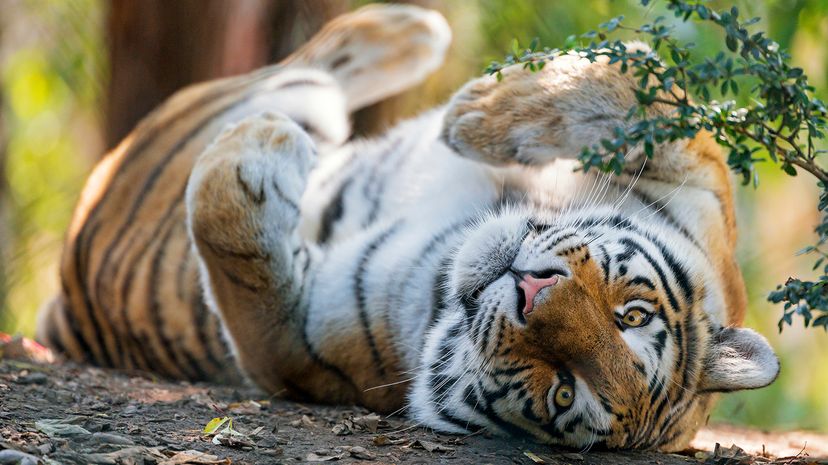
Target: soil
{"x":66,"y":413}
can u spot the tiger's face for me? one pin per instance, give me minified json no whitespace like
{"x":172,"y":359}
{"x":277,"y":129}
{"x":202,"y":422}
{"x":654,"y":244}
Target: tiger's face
{"x":596,"y":331}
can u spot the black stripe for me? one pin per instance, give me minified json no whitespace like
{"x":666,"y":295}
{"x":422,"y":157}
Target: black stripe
{"x":692,"y":348}
{"x":139,"y":349}
{"x":255,"y":196}
{"x":221,"y":251}
{"x":439,"y":290}
{"x":379,"y":181}
{"x":465,"y":425}
{"x":156,"y":319}
{"x":237,"y":280}
{"x":661,"y":275}
{"x":538,"y":228}
{"x":359,"y":292}
{"x":72,"y":323}
{"x":510,"y":372}
{"x":678,"y":334}
{"x":641,"y":280}
{"x":447,"y":345}
{"x":487,"y":330}
{"x":200,"y":315}
{"x":661,"y":342}
{"x":490,"y":397}
{"x":605,"y":262}
{"x":333,"y":212}
{"x":100,"y":353}
{"x":499,"y":343}
{"x":555,"y":242}
{"x":316,"y":358}
{"x":183,"y":265}
{"x":678,"y":270}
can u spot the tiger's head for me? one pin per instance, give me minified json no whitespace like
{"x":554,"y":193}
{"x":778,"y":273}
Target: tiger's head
{"x":592,"y":330}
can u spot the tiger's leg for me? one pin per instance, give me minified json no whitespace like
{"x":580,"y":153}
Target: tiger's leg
{"x":242,"y":214}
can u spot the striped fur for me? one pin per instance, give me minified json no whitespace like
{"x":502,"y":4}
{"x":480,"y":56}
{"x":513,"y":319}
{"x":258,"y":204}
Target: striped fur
{"x":376,"y":271}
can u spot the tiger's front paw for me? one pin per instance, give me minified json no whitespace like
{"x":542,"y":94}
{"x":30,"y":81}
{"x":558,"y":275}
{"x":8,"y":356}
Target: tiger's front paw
{"x":532,"y":118}
{"x":247,"y":185}
{"x":503,"y":122}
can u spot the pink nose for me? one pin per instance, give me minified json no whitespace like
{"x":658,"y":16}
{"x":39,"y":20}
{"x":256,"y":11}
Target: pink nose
{"x":531,"y":286}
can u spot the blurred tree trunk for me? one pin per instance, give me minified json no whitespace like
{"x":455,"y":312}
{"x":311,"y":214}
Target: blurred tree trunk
{"x":5,"y":238}
{"x":159,"y":46}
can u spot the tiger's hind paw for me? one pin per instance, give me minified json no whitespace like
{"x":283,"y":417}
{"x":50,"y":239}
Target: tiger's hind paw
{"x":378,"y":50}
{"x":246,"y":187}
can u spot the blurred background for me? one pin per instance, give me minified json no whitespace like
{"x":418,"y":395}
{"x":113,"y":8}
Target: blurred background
{"x":76,"y":75}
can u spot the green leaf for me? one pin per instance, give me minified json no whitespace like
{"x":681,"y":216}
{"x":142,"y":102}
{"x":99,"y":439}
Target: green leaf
{"x":515,"y":48}
{"x":216,"y":423}
{"x":731,"y":43}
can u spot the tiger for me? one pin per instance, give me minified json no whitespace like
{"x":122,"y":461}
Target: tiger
{"x":458,"y":267}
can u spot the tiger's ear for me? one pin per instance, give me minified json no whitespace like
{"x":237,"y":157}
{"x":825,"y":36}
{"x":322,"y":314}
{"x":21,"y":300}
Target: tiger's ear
{"x":739,"y":358}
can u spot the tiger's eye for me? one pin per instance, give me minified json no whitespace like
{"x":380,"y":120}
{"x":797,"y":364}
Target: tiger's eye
{"x":634,"y":318}
{"x":564,"y":396}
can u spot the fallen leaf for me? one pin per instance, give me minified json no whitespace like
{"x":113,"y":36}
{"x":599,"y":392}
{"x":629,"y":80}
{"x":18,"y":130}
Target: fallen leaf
{"x":248,"y":406}
{"x":359,"y":452}
{"x":313,"y":457}
{"x":340,"y":429}
{"x":533,"y":457}
{"x":370,"y":422}
{"x":430,"y":446}
{"x":229,"y":437}
{"x":194,"y":457}
{"x":383,"y":440}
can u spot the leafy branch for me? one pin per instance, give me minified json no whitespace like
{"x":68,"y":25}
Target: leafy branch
{"x":782,"y":122}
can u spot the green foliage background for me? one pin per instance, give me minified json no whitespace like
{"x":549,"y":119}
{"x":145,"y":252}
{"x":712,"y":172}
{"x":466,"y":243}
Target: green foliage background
{"x":52,"y":76}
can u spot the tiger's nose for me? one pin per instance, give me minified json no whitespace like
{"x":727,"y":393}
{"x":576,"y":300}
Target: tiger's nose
{"x":531,"y":286}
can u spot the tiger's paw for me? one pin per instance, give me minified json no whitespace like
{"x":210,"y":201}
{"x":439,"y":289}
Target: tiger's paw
{"x":532,"y":118}
{"x":503,"y":122}
{"x":378,"y":50}
{"x":247,"y":185}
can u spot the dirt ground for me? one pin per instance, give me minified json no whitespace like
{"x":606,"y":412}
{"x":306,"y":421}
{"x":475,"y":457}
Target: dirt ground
{"x":70,"y":414}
